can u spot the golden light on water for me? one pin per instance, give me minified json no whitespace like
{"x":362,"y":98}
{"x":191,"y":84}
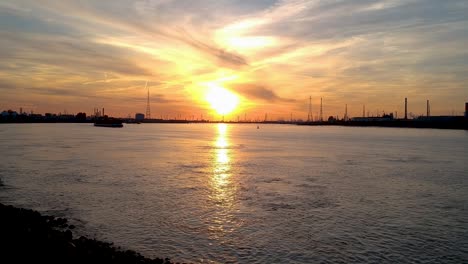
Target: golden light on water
{"x":222,"y":183}
{"x":221,"y":164}
{"x":222,"y":156}
{"x":222,"y":129}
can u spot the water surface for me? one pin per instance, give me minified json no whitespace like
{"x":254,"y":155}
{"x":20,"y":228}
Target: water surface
{"x":234,"y":193}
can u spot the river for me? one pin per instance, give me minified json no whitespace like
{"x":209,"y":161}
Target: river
{"x":227,"y":193}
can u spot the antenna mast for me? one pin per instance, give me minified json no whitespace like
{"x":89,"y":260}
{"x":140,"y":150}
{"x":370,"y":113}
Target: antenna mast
{"x":148,"y":110}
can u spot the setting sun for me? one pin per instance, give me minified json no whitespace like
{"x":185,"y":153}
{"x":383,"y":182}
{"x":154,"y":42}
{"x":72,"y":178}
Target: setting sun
{"x":222,"y":100}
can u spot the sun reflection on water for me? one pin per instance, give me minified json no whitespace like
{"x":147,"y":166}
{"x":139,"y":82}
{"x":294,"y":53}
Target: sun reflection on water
{"x":222,"y":183}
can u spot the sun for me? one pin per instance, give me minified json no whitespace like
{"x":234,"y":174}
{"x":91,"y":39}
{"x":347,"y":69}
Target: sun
{"x":222,"y":100}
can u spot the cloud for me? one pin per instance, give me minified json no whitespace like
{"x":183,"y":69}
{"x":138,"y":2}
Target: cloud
{"x":120,"y":18}
{"x":77,"y":55}
{"x":282,"y":48}
{"x":7,"y":86}
{"x":154,"y":98}
{"x":225,"y":57}
{"x":254,"y":91}
{"x":61,"y":92}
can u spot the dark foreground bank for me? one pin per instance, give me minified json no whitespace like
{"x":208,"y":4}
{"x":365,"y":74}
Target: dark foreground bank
{"x":26,"y":236}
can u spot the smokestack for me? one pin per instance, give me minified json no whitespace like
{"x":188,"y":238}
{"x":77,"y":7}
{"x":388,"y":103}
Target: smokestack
{"x":346,"y":113}
{"x":406,"y":108}
{"x":321,"y":110}
{"x":103,"y":112}
{"x":466,"y":110}
{"x":428,"y":109}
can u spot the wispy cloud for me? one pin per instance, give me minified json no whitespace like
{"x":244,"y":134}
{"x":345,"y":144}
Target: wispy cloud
{"x":255,"y":92}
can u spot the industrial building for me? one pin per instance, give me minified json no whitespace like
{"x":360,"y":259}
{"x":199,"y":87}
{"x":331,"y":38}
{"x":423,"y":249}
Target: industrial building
{"x":139,"y":117}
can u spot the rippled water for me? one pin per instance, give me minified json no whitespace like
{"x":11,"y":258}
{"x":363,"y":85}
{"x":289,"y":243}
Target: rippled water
{"x":234,"y":193}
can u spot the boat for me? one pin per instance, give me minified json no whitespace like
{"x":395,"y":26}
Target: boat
{"x":108,"y":122}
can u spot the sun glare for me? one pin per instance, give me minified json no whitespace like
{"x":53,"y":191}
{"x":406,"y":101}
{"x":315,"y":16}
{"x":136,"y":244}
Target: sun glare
{"x":222,"y":100}
{"x":250,"y":42}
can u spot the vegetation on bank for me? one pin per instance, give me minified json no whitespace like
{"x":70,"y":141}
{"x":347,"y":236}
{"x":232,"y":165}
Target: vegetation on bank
{"x":26,"y":236}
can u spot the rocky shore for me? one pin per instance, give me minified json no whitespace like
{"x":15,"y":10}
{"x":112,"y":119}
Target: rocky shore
{"x":26,"y":236}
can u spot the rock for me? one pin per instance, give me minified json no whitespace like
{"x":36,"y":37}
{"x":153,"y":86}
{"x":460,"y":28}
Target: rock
{"x":28,"y":237}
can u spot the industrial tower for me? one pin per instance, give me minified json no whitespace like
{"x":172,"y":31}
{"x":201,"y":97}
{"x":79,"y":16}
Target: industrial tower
{"x":466,"y":110}
{"x":346,"y":113}
{"x":321,"y":110}
{"x":428,"y":109}
{"x":148,"y":109}
{"x":406,"y":108}
{"x":309,"y":117}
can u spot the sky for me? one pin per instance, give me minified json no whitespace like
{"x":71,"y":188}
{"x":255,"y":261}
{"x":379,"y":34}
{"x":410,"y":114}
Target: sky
{"x":73,"y":56}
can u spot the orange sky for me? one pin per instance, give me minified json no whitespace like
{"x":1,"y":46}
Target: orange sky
{"x":73,"y":56}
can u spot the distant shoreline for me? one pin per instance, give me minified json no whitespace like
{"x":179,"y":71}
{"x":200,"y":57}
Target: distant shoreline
{"x":26,"y":236}
{"x":457,"y":124}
